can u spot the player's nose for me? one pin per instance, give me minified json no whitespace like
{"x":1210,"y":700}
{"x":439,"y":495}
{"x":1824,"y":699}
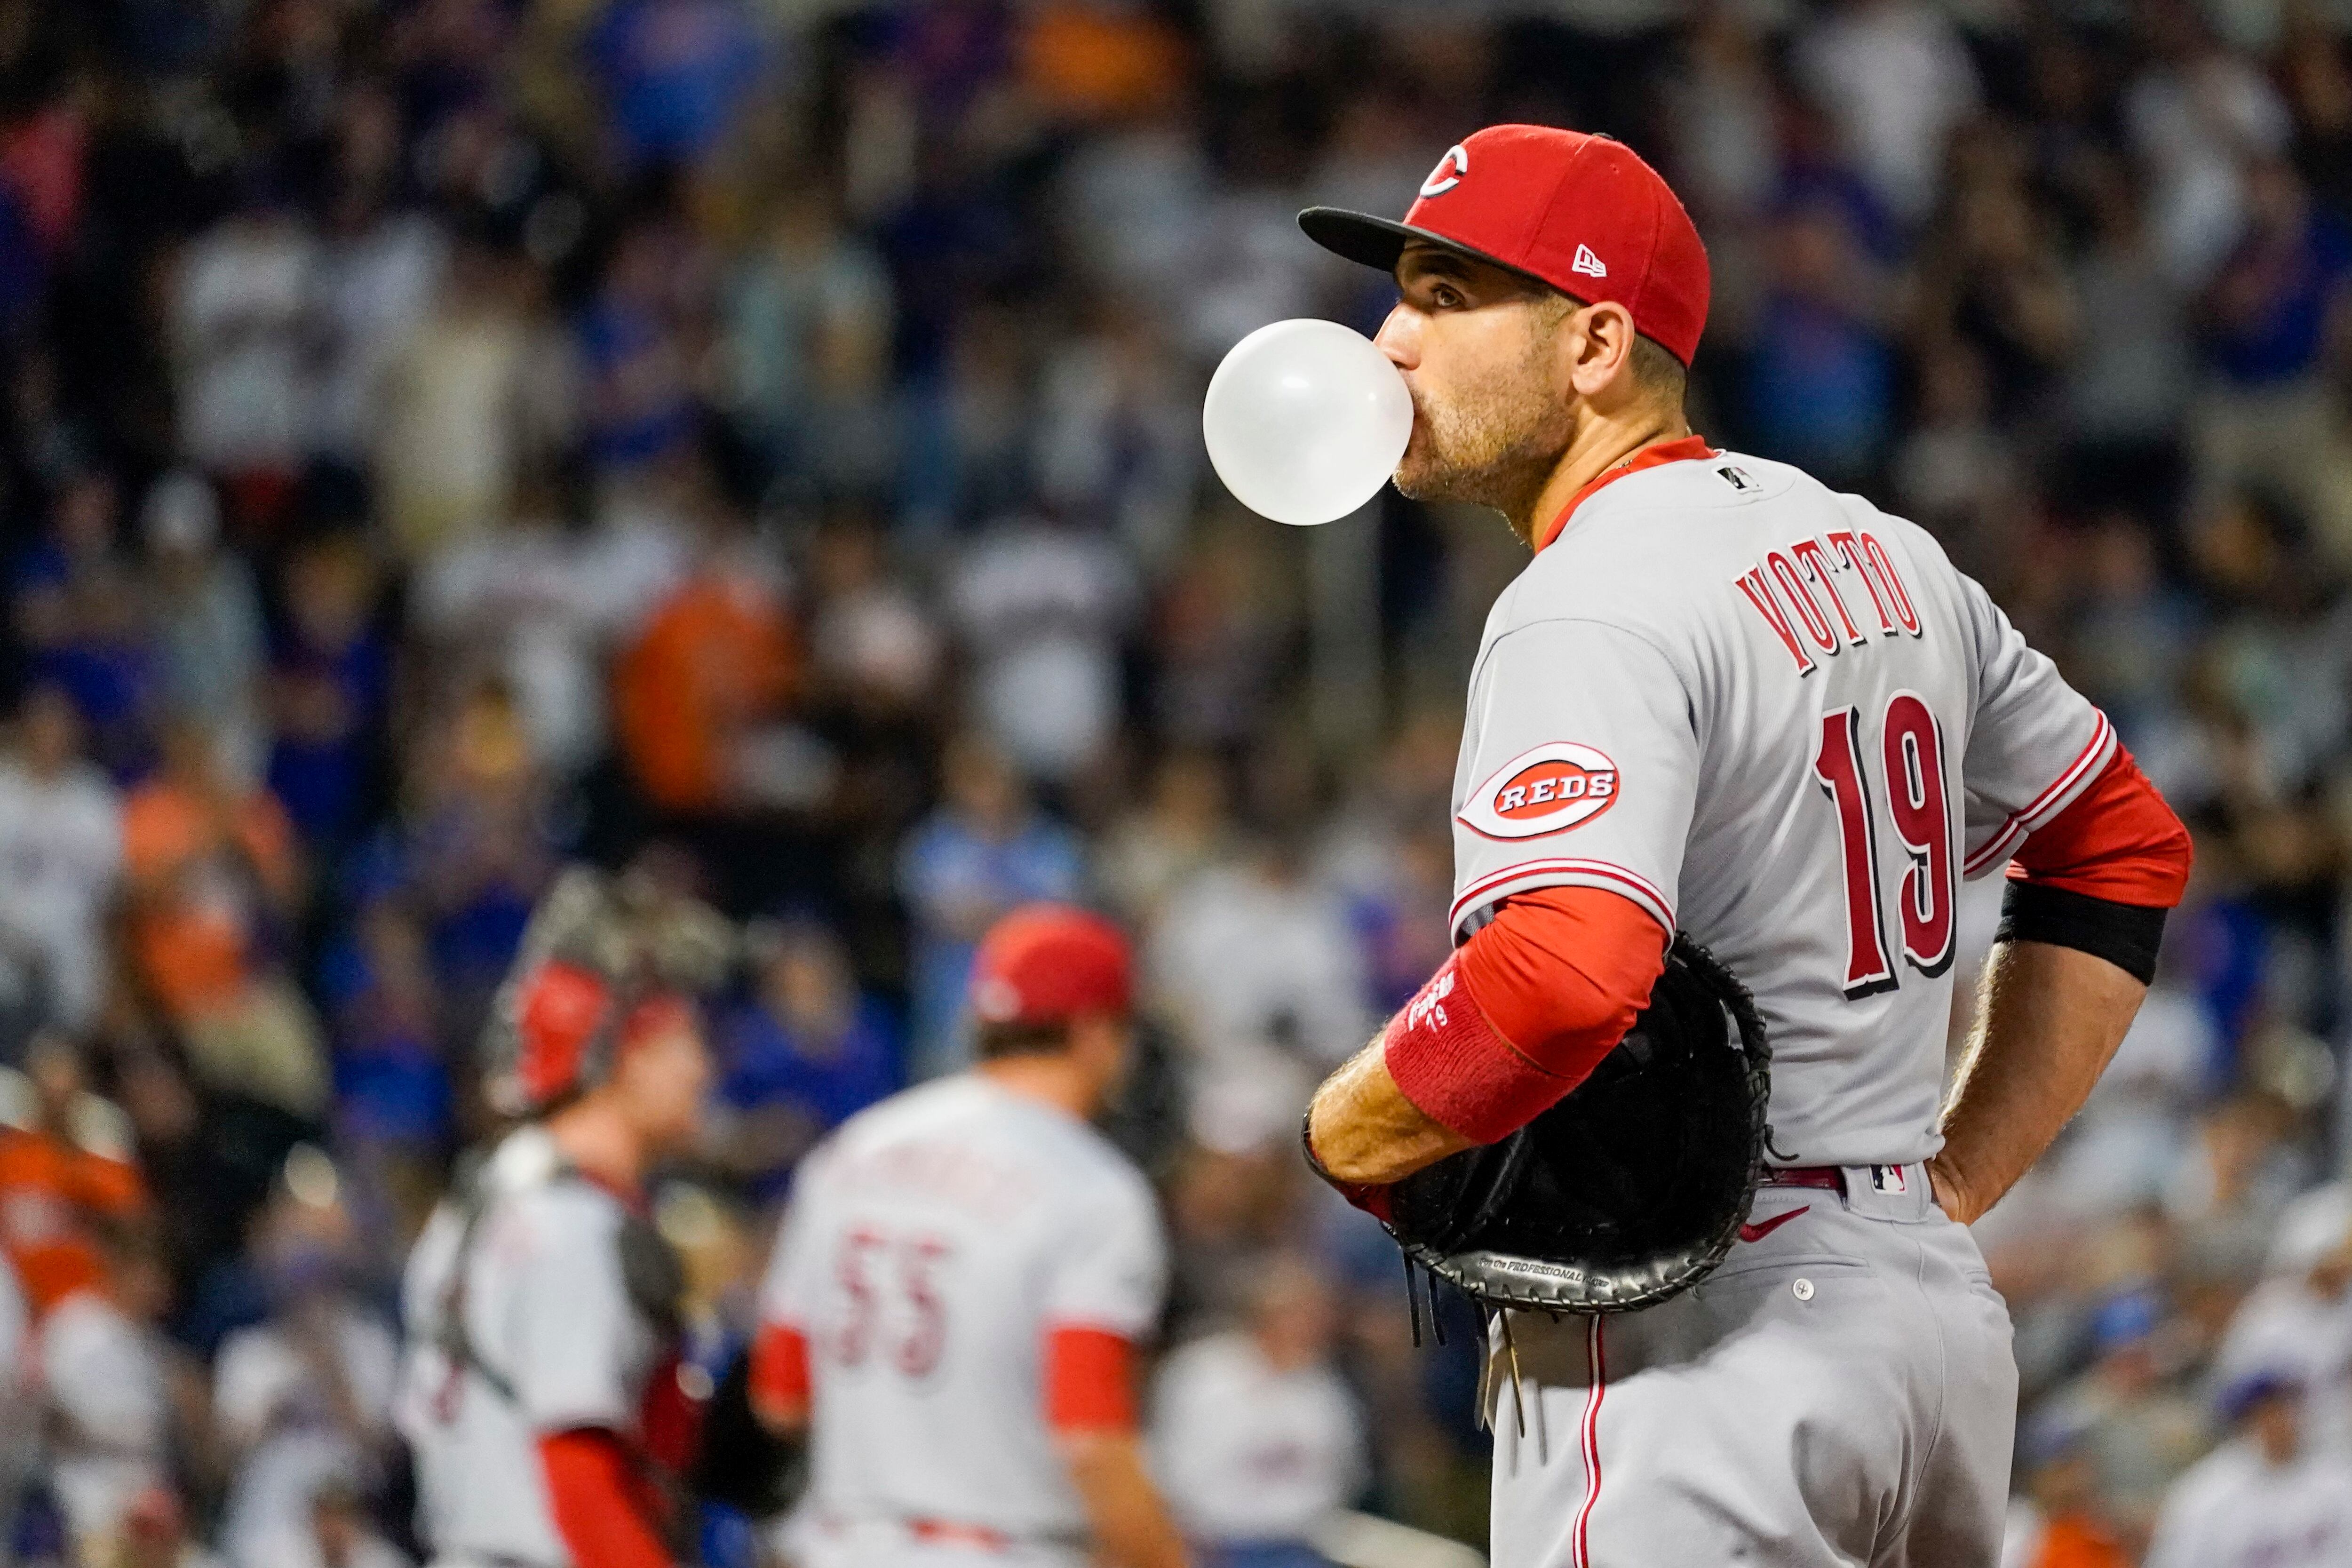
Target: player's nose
{"x":1400,"y":337}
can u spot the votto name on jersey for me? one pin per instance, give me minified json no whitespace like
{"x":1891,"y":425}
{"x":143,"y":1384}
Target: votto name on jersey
{"x":1797,"y":589}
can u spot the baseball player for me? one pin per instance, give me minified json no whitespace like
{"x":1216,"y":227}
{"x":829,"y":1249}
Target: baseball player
{"x":541,"y":1389}
{"x":1726,"y":699}
{"x":2267,"y":1499}
{"x":959,"y":1287}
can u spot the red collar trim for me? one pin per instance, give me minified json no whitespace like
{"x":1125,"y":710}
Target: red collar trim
{"x":1682,"y":450}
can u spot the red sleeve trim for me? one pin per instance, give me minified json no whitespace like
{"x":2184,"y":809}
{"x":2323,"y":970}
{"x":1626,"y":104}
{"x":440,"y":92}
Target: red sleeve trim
{"x":1616,"y":878}
{"x":1564,"y":971}
{"x":2024,"y":819}
{"x":1089,"y":1380}
{"x":780,"y":1385}
{"x":603,"y":1508}
{"x":2117,"y":840}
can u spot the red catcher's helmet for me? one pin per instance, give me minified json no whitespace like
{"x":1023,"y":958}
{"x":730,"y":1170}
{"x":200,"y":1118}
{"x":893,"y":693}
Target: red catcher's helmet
{"x":601,"y":963}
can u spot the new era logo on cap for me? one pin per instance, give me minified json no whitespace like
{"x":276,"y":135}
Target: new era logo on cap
{"x":1588,"y":263}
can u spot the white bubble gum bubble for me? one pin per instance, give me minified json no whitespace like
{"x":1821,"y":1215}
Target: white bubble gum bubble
{"x":1305,"y":420}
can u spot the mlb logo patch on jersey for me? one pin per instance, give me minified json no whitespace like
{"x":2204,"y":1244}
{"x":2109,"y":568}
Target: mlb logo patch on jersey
{"x":1556,"y":786}
{"x":1888,"y":1179}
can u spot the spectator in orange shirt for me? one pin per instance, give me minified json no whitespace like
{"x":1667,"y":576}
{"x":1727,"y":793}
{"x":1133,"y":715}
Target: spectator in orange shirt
{"x":211,"y":868}
{"x":208,"y":862}
{"x":708,"y":676}
{"x":2060,"y":1523}
{"x":65,"y":1171}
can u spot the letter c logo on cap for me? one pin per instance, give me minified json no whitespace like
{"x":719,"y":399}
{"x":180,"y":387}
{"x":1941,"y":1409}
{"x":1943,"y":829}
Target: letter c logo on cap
{"x":1448,"y":172}
{"x":1552,"y":788}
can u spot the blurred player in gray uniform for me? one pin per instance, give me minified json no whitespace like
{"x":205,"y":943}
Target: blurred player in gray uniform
{"x":2269,"y":1498}
{"x":1724,"y":699}
{"x":954,"y":1304}
{"x":541,"y":1389}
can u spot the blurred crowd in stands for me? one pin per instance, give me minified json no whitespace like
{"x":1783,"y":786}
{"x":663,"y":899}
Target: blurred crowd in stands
{"x":756,"y":441}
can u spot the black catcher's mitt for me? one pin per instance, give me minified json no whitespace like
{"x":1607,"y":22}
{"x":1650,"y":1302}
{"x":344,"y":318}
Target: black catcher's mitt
{"x":1629,"y":1189}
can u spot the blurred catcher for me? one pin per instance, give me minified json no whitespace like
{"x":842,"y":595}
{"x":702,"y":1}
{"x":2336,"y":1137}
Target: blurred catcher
{"x":543,"y":1390}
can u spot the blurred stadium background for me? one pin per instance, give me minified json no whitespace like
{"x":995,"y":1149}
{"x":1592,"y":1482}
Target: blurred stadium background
{"x":756,"y":440}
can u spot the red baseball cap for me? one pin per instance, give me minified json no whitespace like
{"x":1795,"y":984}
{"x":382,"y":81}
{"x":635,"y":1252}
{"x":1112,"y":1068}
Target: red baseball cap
{"x":1048,"y":964}
{"x":1581,"y":213}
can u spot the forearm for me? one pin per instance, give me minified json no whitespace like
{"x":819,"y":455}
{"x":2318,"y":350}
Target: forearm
{"x":780,"y":1380}
{"x":1364,"y":1129}
{"x":599,"y":1502}
{"x":1132,"y":1525}
{"x":2051,"y":1020}
{"x":1514,"y":1020}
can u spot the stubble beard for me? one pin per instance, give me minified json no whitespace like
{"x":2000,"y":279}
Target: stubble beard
{"x":1496,"y":448}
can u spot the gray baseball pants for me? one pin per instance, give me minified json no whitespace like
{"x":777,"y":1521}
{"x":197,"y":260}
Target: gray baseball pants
{"x":1841,"y":1391}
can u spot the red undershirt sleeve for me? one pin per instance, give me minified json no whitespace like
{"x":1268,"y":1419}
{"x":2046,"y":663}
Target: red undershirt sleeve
{"x":603,"y":1508}
{"x":780,"y":1369}
{"x":2117,"y":840}
{"x":1523,"y":1011}
{"x":1089,"y":1379}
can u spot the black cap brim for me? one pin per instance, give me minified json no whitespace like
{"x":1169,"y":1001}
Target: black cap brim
{"x":1361,"y":237}
{"x":1379,"y":241}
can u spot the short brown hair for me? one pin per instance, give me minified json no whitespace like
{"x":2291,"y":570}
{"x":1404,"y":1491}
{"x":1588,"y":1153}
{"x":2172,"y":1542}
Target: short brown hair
{"x":1660,"y":375}
{"x":993,"y":1041}
{"x":1657,"y":372}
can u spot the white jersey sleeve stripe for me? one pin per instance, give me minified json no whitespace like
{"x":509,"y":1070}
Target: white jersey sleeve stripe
{"x":1632,"y":885}
{"x":2025,"y":819}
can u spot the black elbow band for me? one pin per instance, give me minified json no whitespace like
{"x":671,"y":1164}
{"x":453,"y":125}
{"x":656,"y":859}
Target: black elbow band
{"x":2125,"y":935}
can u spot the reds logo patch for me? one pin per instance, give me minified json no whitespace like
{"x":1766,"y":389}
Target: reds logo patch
{"x":1554,"y":787}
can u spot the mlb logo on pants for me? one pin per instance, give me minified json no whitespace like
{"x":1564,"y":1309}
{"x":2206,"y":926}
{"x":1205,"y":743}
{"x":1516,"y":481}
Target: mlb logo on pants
{"x":1887,"y":1178}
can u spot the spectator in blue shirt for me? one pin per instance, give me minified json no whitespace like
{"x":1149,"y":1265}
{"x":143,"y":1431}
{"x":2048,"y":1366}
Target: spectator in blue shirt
{"x":640,"y":402}
{"x":674,"y":74}
{"x":2274,"y":300}
{"x":331,"y":690}
{"x":984,"y":851}
{"x":392,"y":1093}
{"x":2269,"y":422}
{"x":799,"y":1055}
{"x":1821,"y":380}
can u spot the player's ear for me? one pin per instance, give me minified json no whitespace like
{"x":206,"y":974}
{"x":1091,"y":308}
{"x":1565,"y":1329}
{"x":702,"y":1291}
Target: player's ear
{"x":1600,"y":341}
{"x":1105,"y":1042}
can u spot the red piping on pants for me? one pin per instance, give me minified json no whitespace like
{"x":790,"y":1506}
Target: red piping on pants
{"x":1597,"y":1366}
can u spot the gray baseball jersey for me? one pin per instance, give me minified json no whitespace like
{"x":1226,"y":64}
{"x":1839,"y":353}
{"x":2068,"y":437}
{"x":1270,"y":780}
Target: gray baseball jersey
{"x":1781,"y":719}
{"x":1776,"y":718}
{"x":548,"y":1311}
{"x":933,"y":1242}
{"x":2234,"y":1508}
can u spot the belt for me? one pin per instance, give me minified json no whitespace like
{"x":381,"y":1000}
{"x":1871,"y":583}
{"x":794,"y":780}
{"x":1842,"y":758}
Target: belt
{"x":1830,"y":1178}
{"x":948,"y":1532}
